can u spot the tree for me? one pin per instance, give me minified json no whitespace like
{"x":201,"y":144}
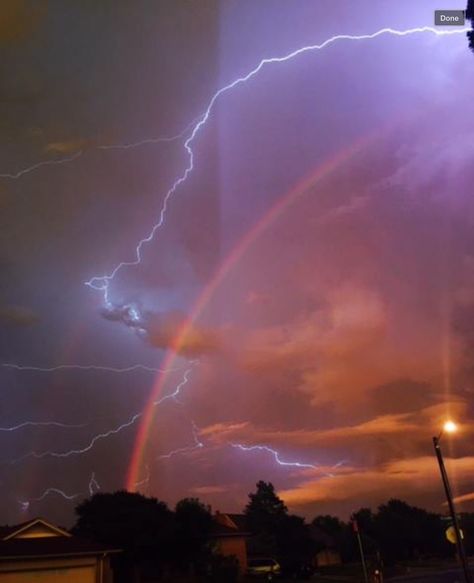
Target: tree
{"x":193,"y":526}
{"x":408,"y":532}
{"x":470,"y":10}
{"x":265,"y":509}
{"x":295,"y":546}
{"x":142,"y":527}
{"x":365,"y":520}
{"x":341,"y":534}
{"x":264,"y":512}
{"x":277,"y":533}
{"x":470,"y":16}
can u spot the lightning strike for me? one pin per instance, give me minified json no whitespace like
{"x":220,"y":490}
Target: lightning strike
{"x":41,"y":424}
{"x":25,"y":504}
{"x":93,"y":485}
{"x":280,"y":462}
{"x":275,"y":454}
{"x":146,"y":479}
{"x":93,"y":367}
{"x":197,"y":445}
{"x":101,"y":436}
{"x":102,"y":283}
{"x":148,"y":141}
{"x":21,"y":173}
{"x":127,"y":146}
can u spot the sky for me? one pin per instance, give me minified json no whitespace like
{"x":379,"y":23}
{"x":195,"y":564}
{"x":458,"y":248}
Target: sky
{"x":302,"y":304}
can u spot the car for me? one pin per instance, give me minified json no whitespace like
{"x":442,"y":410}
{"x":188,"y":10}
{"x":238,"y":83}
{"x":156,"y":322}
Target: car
{"x":262,"y":567}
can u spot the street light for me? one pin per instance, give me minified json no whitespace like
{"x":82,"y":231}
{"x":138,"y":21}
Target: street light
{"x":451,"y":427}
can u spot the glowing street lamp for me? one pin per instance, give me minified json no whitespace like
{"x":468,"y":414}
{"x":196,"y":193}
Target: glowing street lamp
{"x":451,"y":427}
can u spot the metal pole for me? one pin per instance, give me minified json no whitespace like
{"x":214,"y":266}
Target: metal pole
{"x":361,"y":549}
{"x":452,"y":510}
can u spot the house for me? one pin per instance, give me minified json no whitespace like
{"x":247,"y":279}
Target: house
{"x":328,"y":553}
{"x":41,"y":552}
{"x":230,"y":537}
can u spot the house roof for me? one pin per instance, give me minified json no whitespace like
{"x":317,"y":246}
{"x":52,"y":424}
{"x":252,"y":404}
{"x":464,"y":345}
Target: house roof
{"x":39,"y":538}
{"x":228,"y":525}
{"x":24,"y":527}
{"x":240,"y":520}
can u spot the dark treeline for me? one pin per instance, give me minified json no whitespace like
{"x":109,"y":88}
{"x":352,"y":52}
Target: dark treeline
{"x":157,"y":541}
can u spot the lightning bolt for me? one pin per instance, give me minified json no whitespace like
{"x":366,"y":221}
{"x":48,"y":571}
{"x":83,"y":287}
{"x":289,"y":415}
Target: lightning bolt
{"x":21,"y":173}
{"x":197,"y":445}
{"x":102,"y":283}
{"x":93,"y":367}
{"x":93,"y":485}
{"x":101,"y":436}
{"x":128,"y":146}
{"x":290,"y":464}
{"x":146,"y":479}
{"x":275,"y":455}
{"x":25,"y":504}
{"x":148,"y":141}
{"x":40,"y":424}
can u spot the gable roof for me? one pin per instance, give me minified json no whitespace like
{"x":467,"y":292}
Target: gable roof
{"x":227,"y":525}
{"x":39,"y":538}
{"x":21,"y":530}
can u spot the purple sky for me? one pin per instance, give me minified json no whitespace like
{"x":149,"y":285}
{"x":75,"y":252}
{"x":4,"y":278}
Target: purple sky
{"x":341,"y":339}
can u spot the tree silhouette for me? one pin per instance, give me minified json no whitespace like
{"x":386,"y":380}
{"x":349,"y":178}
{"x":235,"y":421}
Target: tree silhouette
{"x":265,"y":512}
{"x":142,"y":527}
{"x":470,"y":10}
{"x":408,"y":532}
{"x":277,"y":533}
{"x":265,"y":509}
{"x":470,"y":16}
{"x":193,"y":526}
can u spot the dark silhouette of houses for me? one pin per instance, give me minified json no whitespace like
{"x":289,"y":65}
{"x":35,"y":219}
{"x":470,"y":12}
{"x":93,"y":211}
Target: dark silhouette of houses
{"x":230,"y":534}
{"x":39,"y":551}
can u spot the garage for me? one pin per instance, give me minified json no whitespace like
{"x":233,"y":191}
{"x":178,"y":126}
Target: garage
{"x":41,"y":552}
{"x":73,"y":575}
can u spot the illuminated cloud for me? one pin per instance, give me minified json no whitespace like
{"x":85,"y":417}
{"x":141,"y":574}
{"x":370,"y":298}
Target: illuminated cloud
{"x":160,"y":330}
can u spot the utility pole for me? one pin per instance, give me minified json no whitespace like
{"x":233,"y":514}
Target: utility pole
{"x":355,"y":526}
{"x":452,"y":511}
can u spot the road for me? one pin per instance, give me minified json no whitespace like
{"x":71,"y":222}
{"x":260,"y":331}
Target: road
{"x":448,"y":576}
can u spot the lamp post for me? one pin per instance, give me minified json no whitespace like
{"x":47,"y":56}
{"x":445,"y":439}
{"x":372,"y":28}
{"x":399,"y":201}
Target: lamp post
{"x":451,"y":427}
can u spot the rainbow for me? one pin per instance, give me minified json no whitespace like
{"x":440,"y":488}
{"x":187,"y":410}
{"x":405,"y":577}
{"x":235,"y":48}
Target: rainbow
{"x":236,"y":254}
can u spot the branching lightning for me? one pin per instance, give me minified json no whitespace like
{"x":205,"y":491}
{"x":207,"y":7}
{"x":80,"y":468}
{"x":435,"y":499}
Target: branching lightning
{"x":275,"y":455}
{"x":93,"y":487}
{"x":197,"y":445}
{"x":289,"y":464}
{"x":102,"y":283}
{"x":101,"y":436}
{"x":25,"y":504}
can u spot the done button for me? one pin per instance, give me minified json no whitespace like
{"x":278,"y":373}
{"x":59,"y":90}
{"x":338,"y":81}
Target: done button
{"x":449,"y":17}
